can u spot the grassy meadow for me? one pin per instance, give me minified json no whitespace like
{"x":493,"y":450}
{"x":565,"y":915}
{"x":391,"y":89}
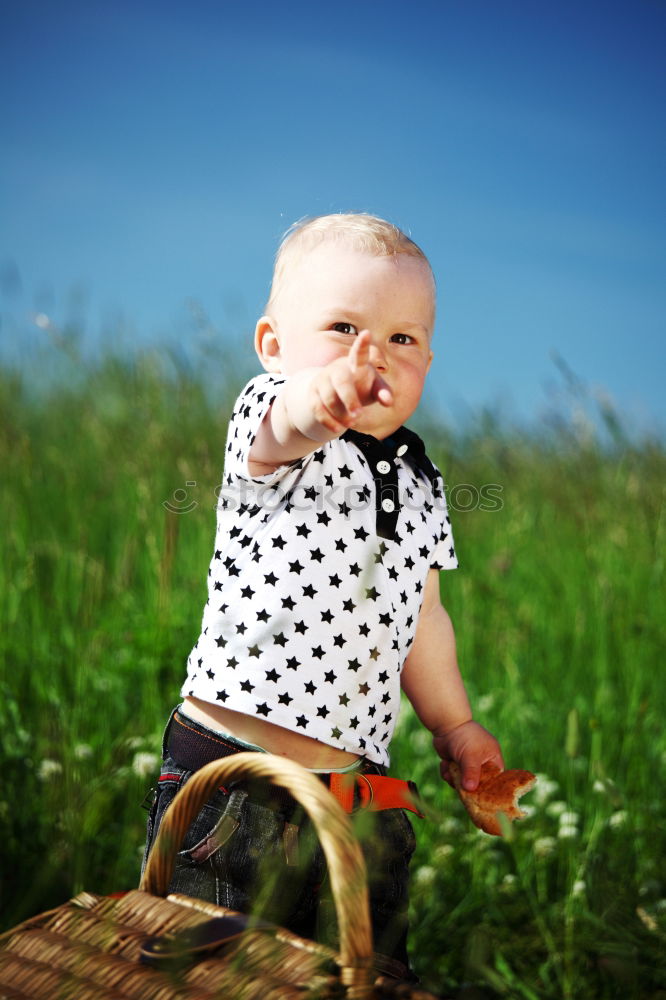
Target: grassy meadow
{"x":558,"y":607}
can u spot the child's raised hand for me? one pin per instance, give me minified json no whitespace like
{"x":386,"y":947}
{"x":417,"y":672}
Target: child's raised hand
{"x":342,"y":388}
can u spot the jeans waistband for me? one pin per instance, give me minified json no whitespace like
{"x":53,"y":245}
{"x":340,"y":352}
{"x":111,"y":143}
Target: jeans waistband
{"x":191,"y":745}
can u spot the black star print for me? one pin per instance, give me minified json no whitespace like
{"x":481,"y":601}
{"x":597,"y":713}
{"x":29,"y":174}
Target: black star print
{"x":309,"y":591}
{"x":295,"y":567}
{"x":263,"y":615}
{"x":322,"y":711}
{"x":310,"y":688}
{"x":330,"y":677}
{"x":278,"y":542}
{"x":354,"y":664}
{"x":355,"y":569}
{"x":348,"y":605}
{"x":363,"y":688}
{"x":344,"y":509}
{"x":385,"y":619}
{"x":345,"y":472}
{"x":285,"y":698}
{"x":318,"y":652}
{"x":241,"y":628}
{"x":263,"y":709}
{"x":364,"y":629}
{"x":254,"y":650}
{"x":301,"y":721}
{"x":289,"y":603}
{"x":409,"y":562}
{"x":293,"y":663}
{"x":246,"y":686}
{"x":302,"y":529}
{"x":374,"y":653}
{"x":210,"y":674}
{"x":323,"y":518}
{"x":353,"y":723}
{"x":383,"y":677}
{"x":360,"y":533}
{"x":371,"y":593}
{"x":327,"y":616}
{"x":335,"y":580}
{"x":220,"y":641}
{"x":272,"y":675}
{"x":222,"y":696}
{"x":270,"y":578}
{"x":232,"y":662}
{"x":340,"y":545}
{"x":336,"y":733}
{"x":310,"y":493}
{"x":339,"y":640}
{"x":300,"y":627}
{"x":316,"y":554}
{"x":280,"y":639}
{"x":344,"y":700}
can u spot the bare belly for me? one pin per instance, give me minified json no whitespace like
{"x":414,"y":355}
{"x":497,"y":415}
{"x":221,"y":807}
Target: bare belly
{"x":274,"y":739}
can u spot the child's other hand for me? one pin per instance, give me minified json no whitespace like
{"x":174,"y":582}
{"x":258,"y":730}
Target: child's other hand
{"x":342,"y":388}
{"x":470,"y":745}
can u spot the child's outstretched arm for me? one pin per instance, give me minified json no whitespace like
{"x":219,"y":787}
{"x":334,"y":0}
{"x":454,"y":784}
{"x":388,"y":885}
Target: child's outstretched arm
{"x":432,"y":682}
{"x":317,"y":405}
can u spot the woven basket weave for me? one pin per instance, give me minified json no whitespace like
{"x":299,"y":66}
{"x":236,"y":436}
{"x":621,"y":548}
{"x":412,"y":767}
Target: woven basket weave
{"x":89,"y":948}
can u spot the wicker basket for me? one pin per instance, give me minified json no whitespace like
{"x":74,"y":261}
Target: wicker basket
{"x":90,"y":948}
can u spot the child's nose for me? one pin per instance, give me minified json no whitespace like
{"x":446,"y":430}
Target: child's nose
{"x":376,"y":357}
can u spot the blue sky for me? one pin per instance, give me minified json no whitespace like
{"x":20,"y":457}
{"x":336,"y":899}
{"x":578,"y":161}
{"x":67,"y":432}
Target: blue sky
{"x":153,"y":153}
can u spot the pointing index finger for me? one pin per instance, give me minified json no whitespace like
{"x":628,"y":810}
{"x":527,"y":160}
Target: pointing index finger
{"x":360,"y":352}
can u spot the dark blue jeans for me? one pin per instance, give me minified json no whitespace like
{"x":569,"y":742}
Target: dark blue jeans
{"x":250,"y":852}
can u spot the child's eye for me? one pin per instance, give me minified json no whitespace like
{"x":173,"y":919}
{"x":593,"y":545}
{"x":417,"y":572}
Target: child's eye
{"x":402,"y":338}
{"x":345,"y":328}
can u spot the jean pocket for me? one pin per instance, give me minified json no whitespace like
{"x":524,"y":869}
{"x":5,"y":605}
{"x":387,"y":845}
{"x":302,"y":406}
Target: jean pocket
{"x":219,"y":821}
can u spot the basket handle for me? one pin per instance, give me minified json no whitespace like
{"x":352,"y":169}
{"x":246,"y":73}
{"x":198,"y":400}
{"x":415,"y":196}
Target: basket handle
{"x":343,"y":855}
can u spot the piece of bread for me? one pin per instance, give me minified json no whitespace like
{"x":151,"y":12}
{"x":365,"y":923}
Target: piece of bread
{"x":498,"y":792}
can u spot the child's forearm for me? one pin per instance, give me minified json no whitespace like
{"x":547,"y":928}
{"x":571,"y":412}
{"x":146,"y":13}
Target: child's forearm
{"x":317,"y":405}
{"x":431,"y":680}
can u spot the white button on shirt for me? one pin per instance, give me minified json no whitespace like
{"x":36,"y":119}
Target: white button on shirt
{"x":401,"y":450}
{"x":388,"y":505}
{"x":385,"y":467}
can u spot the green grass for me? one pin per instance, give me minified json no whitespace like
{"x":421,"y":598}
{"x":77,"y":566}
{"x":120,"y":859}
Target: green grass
{"x":558,"y":607}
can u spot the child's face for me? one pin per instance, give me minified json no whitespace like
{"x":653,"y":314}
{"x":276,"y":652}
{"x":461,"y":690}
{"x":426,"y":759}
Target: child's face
{"x":333,"y":293}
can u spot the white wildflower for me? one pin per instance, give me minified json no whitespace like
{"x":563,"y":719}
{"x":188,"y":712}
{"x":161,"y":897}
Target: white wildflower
{"x":486,"y":702}
{"x":567,"y":832}
{"x":569,"y":818}
{"x":508,"y":883}
{"x":144,"y":764}
{"x":83,"y":751}
{"x":556,"y":808}
{"x":578,"y":888}
{"x":618,"y":819}
{"x":544,"y":790}
{"x":660,"y":906}
{"x":48,"y":769}
{"x":444,"y":852}
{"x":451,"y":825}
{"x":425,"y":875}
{"x":544,"y":846}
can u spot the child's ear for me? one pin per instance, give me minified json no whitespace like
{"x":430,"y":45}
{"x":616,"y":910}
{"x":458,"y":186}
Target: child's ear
{"x":267,"y":345}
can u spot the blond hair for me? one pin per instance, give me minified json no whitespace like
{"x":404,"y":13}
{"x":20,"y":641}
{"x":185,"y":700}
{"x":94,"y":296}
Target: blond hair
{"x":367,"y":233}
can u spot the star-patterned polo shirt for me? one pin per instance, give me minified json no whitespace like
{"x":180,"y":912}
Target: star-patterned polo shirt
{"x":317,"y":580}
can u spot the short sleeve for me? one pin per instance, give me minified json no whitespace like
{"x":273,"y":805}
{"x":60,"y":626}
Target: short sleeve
{"x":444,"y":553}
{"x":251,"y":407}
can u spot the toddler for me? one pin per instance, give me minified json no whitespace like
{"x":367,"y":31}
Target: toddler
{"x":323,"y":589}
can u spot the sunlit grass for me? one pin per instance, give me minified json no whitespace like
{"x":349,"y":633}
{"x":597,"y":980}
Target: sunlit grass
{"x":559,"y":613}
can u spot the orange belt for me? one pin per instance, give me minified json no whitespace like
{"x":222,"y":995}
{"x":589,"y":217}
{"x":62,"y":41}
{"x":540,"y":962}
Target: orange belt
{"x":374,"y":792}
